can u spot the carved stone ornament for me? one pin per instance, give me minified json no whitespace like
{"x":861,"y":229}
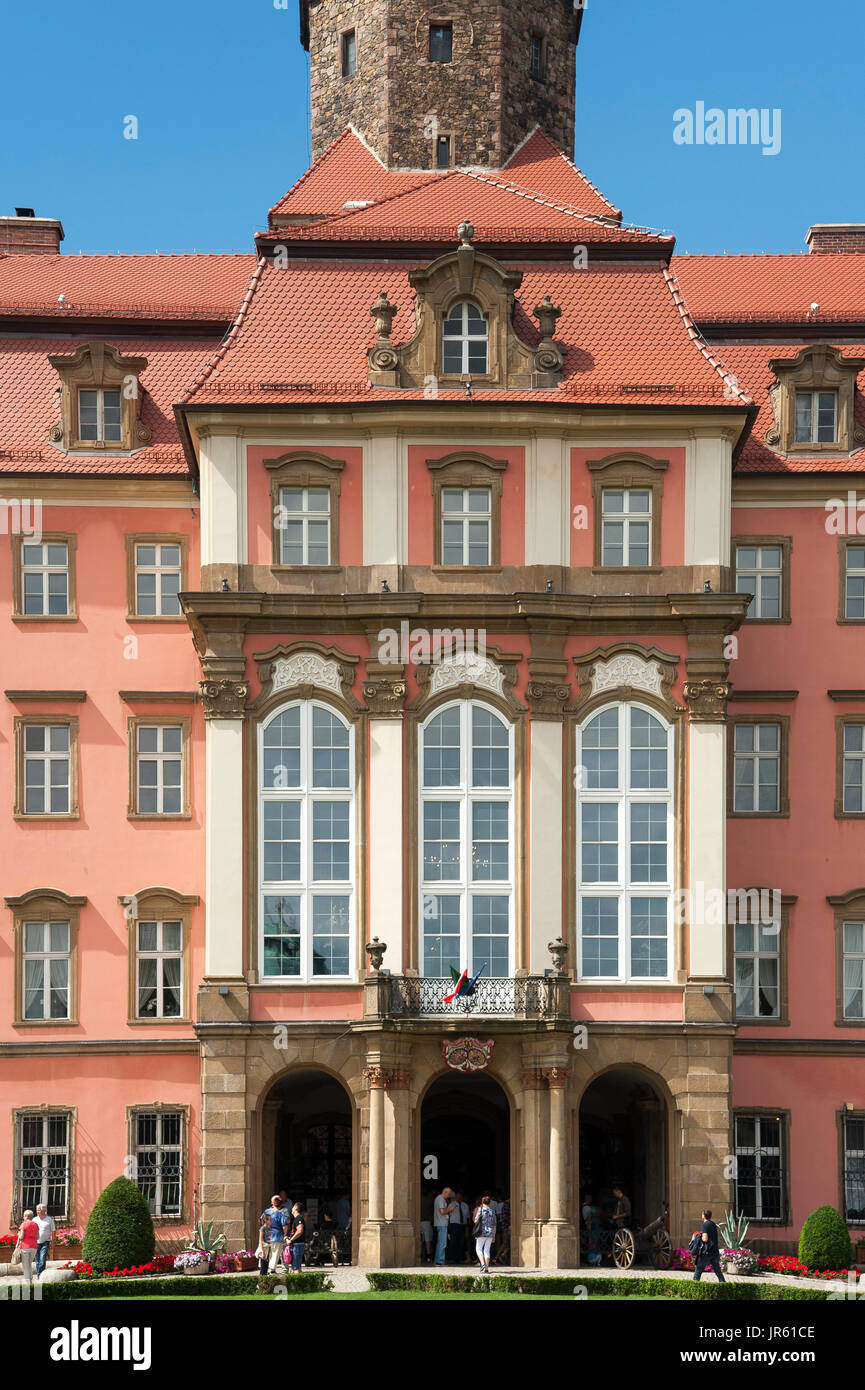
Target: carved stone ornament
{"x":468,"y":1054}
{"x":375,"y":949}
{"x":558,"y":950}
{"x":385,"y":697}
{"x":707,"y":701}
{"x":468,"y":669}
{"x":549,"y":359}
{"x":224,"y":699}
{"x":547,"y":697}
{"x":627,"y":669}
{"x":305,"y":667}
{"x":556,"y":1077}
{"x":626,"y":672}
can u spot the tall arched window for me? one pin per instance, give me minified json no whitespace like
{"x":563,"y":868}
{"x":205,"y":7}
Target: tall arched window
{"x":624,"y":845}
{"x":306,"y":843}
{"x":466,"y":841}
{"x":465,"y":341}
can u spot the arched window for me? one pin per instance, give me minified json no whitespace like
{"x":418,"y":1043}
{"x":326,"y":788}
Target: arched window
{"x":306,"y":844}
{"x":466,"y":841}
{"x":624,"y":845}
{"x":466,"y":341}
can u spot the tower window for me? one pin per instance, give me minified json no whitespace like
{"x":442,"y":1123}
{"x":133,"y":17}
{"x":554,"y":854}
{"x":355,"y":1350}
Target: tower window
{"x":443,"y":152}
{"x":536,"y":55}
{"x":349,"y":53}
{"x":441,"y":43}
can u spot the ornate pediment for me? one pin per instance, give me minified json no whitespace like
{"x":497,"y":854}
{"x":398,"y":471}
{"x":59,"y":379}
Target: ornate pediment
{"x":625,"y":671}
{"x":303,"y":669}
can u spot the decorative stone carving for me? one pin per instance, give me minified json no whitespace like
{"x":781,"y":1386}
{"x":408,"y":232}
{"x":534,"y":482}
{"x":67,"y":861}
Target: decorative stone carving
{"x":379,"y":1078}
{"x":305,"y":667}
{"x":556,"y":1077}
{"x":532,"y":1079}
{"x":707,"y":701}
{"x":549,"y":360}
{"x":626,"y":671}
{"x":468,"y":1054}
{"x":383,"y":357}
{"x":224,"y":699}
{"x":97,"y":364}
{"x":385,"y":697}
{"x":547,"y":699}
{"x":558,"y":949}
{"x":375,"y":949}
{"x":468,"y":669}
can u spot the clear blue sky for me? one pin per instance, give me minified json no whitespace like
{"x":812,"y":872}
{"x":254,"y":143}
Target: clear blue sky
{"x":220,"y":91}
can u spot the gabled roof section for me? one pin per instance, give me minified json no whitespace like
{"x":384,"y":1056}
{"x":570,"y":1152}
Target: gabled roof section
{"x":538,"y":164}
{"x":774,"y":288}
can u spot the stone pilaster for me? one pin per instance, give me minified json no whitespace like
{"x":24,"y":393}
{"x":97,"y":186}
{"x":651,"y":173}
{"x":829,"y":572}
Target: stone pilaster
{"x":559,"y":1244}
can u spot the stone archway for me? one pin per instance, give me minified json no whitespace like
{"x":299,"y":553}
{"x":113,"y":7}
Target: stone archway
{"x":307,"y":1139}
{"x":624,"y":1132}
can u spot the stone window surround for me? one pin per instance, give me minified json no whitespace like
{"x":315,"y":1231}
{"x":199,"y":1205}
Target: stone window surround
{"x":783,"y":720}
{"x":133,"y":722}
{"x":304,"y":468}
{"x":159,"y":1108}
{"x":785,"y":544}
{"x":818,"y":367}
{"x":626,"y":469}
{"x":70,"y":1113}
{"x":841,"y":722}
{"x":22,"y":721}
{"x":783,"y":1020}
{"x":848,"y":907}
{"x":98,"y":364}
{"x":844,"y":544}
{"x":69,"y":539}
{"x":467,"y":469}
{"x":761,"y":1113}
{"x":45,"y":905}
{"x":443,"y":135}
{"x":841,"y":1115}
{"x":341,"y":39}
{"x":158,"y":905}
{"x":154,"y":538}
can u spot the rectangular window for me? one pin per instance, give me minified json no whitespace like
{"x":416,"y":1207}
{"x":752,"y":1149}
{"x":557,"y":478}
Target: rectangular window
{"x":816,"y":417}
{"x":159,"y":966}
{"x":760,"y":571}
{"x":626,"y":527}
{"x":853,"y":779}
{"x":42,"y":1178}
{"x":158,"y":1138}
{"x":47,"y":764}
{"x":854,"y":1168}
{"x":536,"y":55}
{"x":99,"y":414}
{"x":46,"y":970}
{"x":853,"y":969}
{"x":466,"y":525}
{"x":159,"y":754}
{"x":45,"y":579}
{"x":854,"y":581}
{"x":304,"y":526}
{"x":349,"y":53}
{"x":443,"y":152}
{"x":760,"y":1167}
{"x":757,"y":969}
{"x":441,"y":43}
{"x":757,"y":769}
{"x":157,"y":580}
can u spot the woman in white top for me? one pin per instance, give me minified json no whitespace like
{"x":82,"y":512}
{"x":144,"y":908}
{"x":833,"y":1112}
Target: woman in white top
{"x":485,"y":1221}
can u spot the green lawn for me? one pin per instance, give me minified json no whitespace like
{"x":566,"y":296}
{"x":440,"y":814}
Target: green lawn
{"x":378,"y":1297}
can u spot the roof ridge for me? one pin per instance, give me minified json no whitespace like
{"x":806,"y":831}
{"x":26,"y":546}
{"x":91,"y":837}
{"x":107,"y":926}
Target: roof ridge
{"x":349,"y":131}
{"x":569,"y":209}
{"x":230,"y":334}
{"x":538,"y":130}
{"x":731,"y":383}
{"x":345,"y":214}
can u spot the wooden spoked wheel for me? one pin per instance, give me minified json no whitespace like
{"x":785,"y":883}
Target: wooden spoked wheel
{"x":624,"y":1249}
{"x":662,"y":1250}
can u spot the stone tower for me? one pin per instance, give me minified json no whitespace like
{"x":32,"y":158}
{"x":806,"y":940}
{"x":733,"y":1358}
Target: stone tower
{"x":460,"y":84}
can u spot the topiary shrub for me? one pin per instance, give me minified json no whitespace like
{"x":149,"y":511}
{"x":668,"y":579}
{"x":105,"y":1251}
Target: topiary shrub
{"x":825,"y":1241}
{"x":120,"y":1230}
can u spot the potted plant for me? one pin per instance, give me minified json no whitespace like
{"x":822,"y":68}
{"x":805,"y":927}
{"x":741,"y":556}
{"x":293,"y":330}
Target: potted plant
{"x":67,"y":1243}
{"x":236,"y":1262}
{"x":192,"y":1262}
{"x":733,"y":1231}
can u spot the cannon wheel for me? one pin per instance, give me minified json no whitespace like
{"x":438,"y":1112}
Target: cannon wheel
{"x":662,"y":1250}
{"x":624,"y":1249}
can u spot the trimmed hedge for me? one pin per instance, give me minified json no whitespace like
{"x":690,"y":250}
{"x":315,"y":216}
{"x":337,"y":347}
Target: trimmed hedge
{"x":181,"y":1285}
{"x":687,"y":1290}
{"x":824,"y":1242}
{"x":120,"y":1228}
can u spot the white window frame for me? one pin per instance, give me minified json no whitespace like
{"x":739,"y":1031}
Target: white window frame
{"x":464,"y":517}
{"x":756,"y":956}
{"x":755,"y":756}
{"x":159,"y":570}
{"x":44,"y":569}
{"x":858,"y":957}
{"x":465,"y":887}
{"x":853,"y":572}
{"x":46,"y":956}
{"x":306,"y":888}
{"x":160,"y":954}
{"x":626,"y":518}
{"x":160,"y":1148}
{"x":304,"y":516}
{"x":47,"y":757}
{"x":161,"y":756}
{"x":45,"y":1150}
{"x":100,"y":436}
{"x":624,"y":889}
{"x":814,"y":397}
{"x":465,"y":338}
{"x":758,"y":572}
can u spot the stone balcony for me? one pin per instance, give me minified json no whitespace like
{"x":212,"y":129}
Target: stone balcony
{"x":530,"y":998}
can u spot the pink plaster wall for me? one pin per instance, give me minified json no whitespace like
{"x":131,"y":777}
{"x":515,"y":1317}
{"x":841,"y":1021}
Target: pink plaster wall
{"x":672,"y":507}
{"x":420,"y":503}
{"x":260,"y":519}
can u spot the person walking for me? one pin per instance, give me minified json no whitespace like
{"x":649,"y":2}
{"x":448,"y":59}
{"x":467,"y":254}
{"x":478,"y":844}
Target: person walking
{"x":274,"y":1219}
{"x":47,"y":1226}
{"x":426,"y":1227}
{"x":457,"y":1230}
{"x":442,"y":1208}
{"x":297,"y":1237}
{"x":708,"y":1253}
{"x":27,"y":1244}
{"x":485,"y":1231}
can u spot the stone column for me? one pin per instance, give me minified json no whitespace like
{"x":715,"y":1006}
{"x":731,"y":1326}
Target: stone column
{"x":547,"y":693}
{"x":530,"y":1210}
{"x":376,"y":1243}
{"x":384,"y":691}
{"x":224,"y":698}
{"x":559,"y":1248}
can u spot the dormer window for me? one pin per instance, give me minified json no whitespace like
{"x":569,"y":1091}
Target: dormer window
{"x":99,"y":415}
{"x":465,"y":341}
{"x":100,"y":400}
{"x":441,"y":43}
{"x":816,"y":417}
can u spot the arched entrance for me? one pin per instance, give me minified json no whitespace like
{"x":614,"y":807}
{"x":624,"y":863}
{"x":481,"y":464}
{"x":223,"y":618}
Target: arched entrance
{"x":465,"y":1137}
{"x":623,"y":1143}
{"x":307,"y":1140}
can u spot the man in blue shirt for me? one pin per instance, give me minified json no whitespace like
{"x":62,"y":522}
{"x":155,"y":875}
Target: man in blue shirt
{"x":273,"y":1218}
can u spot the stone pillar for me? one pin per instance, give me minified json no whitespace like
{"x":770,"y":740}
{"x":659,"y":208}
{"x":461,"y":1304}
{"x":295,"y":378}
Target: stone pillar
{"x":529,"y":1211}
{"x":384,"y":691}
{"x":559,"y":1245}
{"x":547,"y":693}
{"x":376,"y":1245}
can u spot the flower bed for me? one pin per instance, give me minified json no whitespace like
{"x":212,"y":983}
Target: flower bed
{"x":160,"y":1264}
{"x":794,"y":1268}
{"x":236,"y":1261}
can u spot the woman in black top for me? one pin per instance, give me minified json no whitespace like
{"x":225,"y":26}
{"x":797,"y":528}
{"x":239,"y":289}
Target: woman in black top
{"x":297,"y":1237}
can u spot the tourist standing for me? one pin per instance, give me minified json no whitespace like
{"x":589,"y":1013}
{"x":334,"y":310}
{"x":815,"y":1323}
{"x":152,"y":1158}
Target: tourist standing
{"x":297,"y":1237}
{"x":457,"y":1230}
{"x":26,"y":1245}
{"x":442,"y":1208}
{"x":47,"y":1227}
{"x":708,"y":1254}
{"x":426,"y":1227}
{"x":485,"y":1226}
{"x":274,"y":1218}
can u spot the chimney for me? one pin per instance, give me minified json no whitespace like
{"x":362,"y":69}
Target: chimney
{"x":29,"y":235}
{"x":836,"y":236}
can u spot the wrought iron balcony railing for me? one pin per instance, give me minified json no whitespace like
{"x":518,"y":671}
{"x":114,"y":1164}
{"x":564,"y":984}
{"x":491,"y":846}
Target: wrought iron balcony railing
{"x":533,"y":997}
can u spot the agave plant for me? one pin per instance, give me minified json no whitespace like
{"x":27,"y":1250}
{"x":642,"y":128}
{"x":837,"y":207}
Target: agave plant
{"x":204,"y":1239}
{"x":734,"y":1230}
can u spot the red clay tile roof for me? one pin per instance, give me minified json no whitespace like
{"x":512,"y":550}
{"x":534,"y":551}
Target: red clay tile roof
{"x":540,"y":165}
{"x":769,"y":288}
{"x":305,"y":330}
{"x":134,"y":287}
